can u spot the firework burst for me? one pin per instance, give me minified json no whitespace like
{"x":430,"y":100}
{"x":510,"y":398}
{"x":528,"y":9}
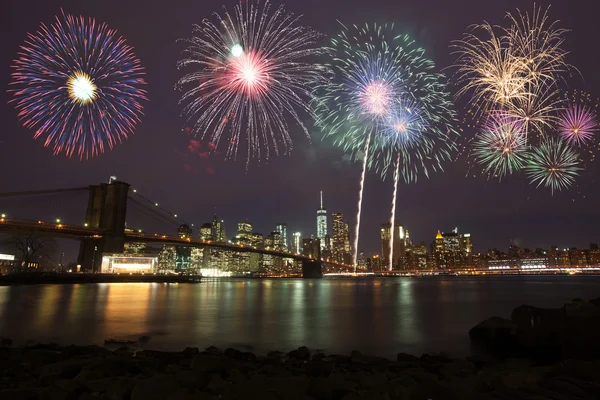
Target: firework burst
{"x":386,"y":105}
{"x":79,"y":86}
{"x":249,"y":74}
{"x":501,"y":146}
{"x":515,"y":68}
{"x":577,"y":124}
{"x":553,"y":164}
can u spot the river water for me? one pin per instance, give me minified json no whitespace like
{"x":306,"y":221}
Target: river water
{"x":376,"y":316}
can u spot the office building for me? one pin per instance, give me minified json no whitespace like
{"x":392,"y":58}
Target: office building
{"x":399,"y":246}
{"x":184,"y":231}
{"x":311,"y":248}
{"x":282,"y":229}
{"x":322,"y":223}
{"x":454,"y":250}
{"x":297,"y":243}
{"x":206,"y":232}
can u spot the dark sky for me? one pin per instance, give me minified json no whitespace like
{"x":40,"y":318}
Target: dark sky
{"x":155,"y":159}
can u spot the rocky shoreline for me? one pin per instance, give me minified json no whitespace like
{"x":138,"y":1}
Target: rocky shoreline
{"x":93,"y":372}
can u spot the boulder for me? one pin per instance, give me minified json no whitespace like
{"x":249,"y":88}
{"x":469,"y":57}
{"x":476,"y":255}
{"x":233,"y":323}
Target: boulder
{"x":302,"y":353}
{"x":495,"y":334}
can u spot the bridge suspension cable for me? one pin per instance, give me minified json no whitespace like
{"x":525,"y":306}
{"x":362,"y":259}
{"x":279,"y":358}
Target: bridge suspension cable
{"x":41,"y":192}
{"x":154,"y":207}
{"x":151,"y":212}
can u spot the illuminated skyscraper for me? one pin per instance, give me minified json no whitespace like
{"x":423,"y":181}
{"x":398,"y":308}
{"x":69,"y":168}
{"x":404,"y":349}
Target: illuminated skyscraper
{"x":206,"y":232}
{"x":322,"y":223}
{"x":399,"y":253}
{"x":297,"y":243}
{"x":453,"y":249}
{"x":337,"y":226}
{"x":215,"y":228}
{"x":184,"y":231}
{"x":282,"y":229}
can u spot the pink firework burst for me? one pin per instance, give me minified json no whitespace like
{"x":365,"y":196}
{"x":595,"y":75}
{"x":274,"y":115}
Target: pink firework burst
{"x":577,"y":124}
{"x":249,"y":74}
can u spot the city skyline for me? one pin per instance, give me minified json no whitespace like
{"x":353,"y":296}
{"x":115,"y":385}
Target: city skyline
{"x":283,"y":188}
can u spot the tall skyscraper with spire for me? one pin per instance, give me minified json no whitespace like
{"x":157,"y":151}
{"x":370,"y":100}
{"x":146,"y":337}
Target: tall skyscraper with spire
{"x":322,"y":223}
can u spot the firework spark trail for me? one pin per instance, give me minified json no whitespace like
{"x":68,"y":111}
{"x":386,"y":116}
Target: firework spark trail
{"x":383,"y":85}
{"x":360,"y":199}
{"x":251,"y":75}
{"x":577,"y":124}
{"x":79,"y":86}
{"x":554,"y":164}
{"x":393,"y":213}
{"x":500,"y":147}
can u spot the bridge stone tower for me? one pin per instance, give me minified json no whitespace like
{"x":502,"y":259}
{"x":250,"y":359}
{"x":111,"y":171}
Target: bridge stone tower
{"x":106,"y":210}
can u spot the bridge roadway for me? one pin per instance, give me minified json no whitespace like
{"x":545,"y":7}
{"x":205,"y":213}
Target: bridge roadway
{"x":60,"y":230}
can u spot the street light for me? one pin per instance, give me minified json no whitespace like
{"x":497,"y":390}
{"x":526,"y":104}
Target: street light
{"x":3,"y":215}
{"x":58,"y":220}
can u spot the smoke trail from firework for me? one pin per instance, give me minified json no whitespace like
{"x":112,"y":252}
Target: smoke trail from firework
{"x":360,"y":199}
{"x":79,"y":86}
{"x":393,"y":214}
{"x":251,"y":74}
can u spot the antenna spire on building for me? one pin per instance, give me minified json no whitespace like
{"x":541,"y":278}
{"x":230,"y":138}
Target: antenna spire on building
{"x":321,"y":199}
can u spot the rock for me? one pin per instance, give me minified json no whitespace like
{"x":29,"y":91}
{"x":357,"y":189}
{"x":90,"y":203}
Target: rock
{"x":54,"y":393}
{"x":210,"y":363}
{"x":19,"y":394}
{"x":213,"y":350}
{"x":333,"y":387}
{"x":402,"y":357}
{"x":249,"y":357}
{"x":235,"y":354}
{"x":495,"y":334}
{"x":64,"y":369}
{"x":157,"y":388}
{"x":302,"y":353}
{"x":217,"y":386}
{"x":458,"y":368}
{"x":319,"y":367}
{"x":37,"y":358}
{"x":235,"y":376}
{"x":190,"y":351}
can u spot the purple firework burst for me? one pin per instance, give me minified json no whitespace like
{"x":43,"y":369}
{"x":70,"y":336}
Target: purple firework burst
{"x":577,"y":124}
{"x":78,"y":85}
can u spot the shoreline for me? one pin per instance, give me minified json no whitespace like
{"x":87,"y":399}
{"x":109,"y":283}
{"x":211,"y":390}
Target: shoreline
{"x":84,"y":278}
{"x":92,"y":372}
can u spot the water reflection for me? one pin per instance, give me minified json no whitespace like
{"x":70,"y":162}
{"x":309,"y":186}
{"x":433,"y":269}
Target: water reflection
{"x":377,"y":316}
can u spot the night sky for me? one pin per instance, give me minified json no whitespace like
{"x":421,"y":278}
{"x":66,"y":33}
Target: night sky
{"x":157,"y":162}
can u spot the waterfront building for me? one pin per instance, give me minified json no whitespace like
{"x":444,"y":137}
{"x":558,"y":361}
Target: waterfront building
{"x":297,"y":243}
{"x":399,"y":253}
{"x":594,"y":255}
{"x":282,"y":229}
{"x":337,"y":242}
{"x":128,"y":265}
{"x":167,"y":259}
{"x":311,"y":248}
{"x":184,"y":231}
{"x":452,"y":249}
{"x":206,"y":232}
{"x":322,"y":224}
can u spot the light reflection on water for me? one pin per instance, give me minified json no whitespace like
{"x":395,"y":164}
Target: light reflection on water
{"x":376,"y":316}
